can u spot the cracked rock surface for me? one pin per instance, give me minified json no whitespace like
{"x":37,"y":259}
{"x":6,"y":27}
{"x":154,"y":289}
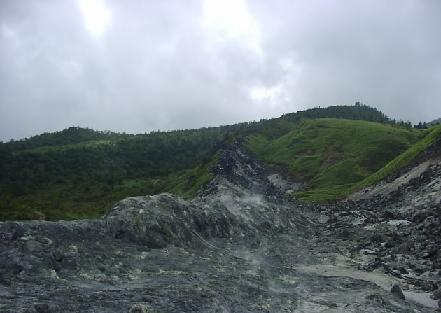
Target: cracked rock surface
{"x":241,"y":246}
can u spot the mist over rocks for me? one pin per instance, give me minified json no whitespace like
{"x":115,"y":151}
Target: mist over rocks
{"x":242,"y":245}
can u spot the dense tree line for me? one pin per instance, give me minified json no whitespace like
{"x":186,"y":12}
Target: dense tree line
{"x":67,"y":136}
{"x":434,"y":122}
{"x":352,"y":112}
{"x":421,"y":125}
{"x":145,"y":156}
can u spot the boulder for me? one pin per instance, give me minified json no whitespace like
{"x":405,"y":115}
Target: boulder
{"x":397,"y":292}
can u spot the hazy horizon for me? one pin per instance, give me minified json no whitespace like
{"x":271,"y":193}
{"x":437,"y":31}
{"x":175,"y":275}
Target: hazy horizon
{"x":155,"y":130}
{"x":139,"y":66}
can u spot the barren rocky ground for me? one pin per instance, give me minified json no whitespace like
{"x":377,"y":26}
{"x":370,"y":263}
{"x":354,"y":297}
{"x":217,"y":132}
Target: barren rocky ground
{"x":243,"y":245}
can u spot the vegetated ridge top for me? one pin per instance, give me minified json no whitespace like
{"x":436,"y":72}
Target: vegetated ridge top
{"x":80,"y":173}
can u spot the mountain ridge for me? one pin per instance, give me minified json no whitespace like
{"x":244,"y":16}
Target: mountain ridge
{"x":83,"y":177}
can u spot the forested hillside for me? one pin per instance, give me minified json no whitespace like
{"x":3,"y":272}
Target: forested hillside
{"x":79,"y":173}
{"x":357,"y":112}
{"x":435,"y":122}
{"x":68,"y":136}
{"x":83,"y":179}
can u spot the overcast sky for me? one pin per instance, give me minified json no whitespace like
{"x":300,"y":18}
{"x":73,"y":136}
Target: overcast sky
{"x":140,"y":65}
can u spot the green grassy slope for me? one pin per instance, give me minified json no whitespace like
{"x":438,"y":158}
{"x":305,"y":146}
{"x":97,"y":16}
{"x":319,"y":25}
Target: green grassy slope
{"x":402,"y":160}
{"x":332,"y":155}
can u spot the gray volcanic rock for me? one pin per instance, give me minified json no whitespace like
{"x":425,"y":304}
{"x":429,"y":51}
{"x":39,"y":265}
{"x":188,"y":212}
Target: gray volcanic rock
{"x":396,"y":291}
{"x":240,"y":246}
{"x":159,"y":221}
{"x":395,"y":226}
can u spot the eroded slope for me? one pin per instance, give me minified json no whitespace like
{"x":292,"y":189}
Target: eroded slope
{"x":241,"y":246}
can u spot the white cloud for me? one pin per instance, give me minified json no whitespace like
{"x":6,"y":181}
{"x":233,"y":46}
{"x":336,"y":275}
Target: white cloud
{"x":96,"y":16}
{"x":265,"y":93}
{"x":231,"y":20}
{"x":183,"y":64}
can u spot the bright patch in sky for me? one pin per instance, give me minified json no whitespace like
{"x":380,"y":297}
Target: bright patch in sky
{"x":265,"y":93}
{"x":96,"y":16}
{"x":231,"y":19}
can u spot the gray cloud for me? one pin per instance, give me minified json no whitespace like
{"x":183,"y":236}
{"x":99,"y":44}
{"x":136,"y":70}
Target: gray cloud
{"x":175,"y":64}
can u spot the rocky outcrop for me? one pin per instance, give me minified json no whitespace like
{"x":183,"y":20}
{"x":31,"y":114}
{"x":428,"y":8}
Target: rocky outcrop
{"x":241,"y":246}
{"x":395,"y":226}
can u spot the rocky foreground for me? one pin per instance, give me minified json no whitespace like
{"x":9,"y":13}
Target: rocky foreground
{"x":243,"y":245}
